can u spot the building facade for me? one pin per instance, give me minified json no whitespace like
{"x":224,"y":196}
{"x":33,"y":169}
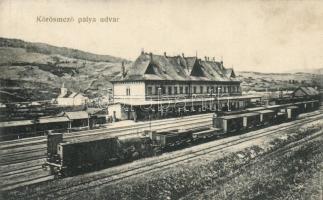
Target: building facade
{"x":156,"y":77}
{"x":67,"y":98}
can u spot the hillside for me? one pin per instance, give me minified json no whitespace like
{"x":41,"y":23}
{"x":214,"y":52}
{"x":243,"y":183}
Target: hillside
{"x":36,"y":71}
{"x":276,"y":81}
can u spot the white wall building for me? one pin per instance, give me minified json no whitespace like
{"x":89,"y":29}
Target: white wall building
{"x":67,"y":98}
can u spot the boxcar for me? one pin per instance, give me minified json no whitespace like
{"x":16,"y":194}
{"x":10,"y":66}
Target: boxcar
{"x":251,"y":120}
{"x":90,"y":154}
{"x":229,"y":123}
{"x":316,"y":104}
{"x":172,"y":138}
{"x":280,"y":117}
{"x":292,"y":112}
{"x":53,"y":139}
{"x":266,"y":117}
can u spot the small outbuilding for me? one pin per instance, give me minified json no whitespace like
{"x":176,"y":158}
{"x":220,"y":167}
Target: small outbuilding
{"x":78,"y":119}
{"x":306,"y":93}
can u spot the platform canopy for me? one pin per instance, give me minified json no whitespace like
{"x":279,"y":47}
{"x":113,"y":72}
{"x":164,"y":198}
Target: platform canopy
{"x":139,"y":102}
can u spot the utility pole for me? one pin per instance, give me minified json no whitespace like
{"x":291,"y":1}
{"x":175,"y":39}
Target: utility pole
{"x":218,"y":98}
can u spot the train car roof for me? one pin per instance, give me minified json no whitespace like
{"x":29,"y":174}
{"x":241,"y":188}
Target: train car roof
{"x":256,"y":108}
{"x":172,"y":132}
{"x":86,"y":141}
{"x":292,"y":107}
{"x":239,"y":115}
{"x":265,"y":111}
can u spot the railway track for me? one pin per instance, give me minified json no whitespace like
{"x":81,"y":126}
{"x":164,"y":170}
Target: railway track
{"x":136,"y":126}
{"x":167,"y":162}
{"x":28,"y":153}
{"x":18,"y":171}
{"x":17,"y":168}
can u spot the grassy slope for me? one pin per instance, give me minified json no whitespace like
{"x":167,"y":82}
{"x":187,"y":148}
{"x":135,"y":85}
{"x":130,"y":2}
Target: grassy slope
{"x":36,"y":71}
{"x":274,"y":81}
{"x":32,"y":69}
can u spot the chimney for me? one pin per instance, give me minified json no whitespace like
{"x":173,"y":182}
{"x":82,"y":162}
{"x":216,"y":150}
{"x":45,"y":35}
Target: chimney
{"x":142,"y":51}
{"x":205,"y":58}
{"x":151,"y":56}
{"x":123,"y":70}
{"x":165,"y":54}
{"x":222,"y":64}
{"x":183,"y":55}
{"x":213,"y":59}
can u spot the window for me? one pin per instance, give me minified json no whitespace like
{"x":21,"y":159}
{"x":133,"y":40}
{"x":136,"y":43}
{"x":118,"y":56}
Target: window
{"x":128,"y":91}
{"x":181,"y":90}
{"x":201,"y":89}
{"x":169,"y":90}
{"x":163,"y":90}
{"x":186,"y":90}
{"x":175,"y":90}
{"x":212,"y":89}
{"x":149,"y":90}
{"x":207,"y":89}
{"x":156,"y":90}
{"x":194,"y":89}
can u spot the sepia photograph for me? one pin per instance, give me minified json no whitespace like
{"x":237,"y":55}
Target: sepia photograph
{"x":161,"y":99}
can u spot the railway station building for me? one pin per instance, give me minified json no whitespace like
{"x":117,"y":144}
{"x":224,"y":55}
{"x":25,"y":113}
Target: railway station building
{"x":166,"y":85}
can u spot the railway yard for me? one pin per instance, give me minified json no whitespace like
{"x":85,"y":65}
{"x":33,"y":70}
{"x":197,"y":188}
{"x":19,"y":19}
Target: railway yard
{"x":21,"y":160}
{"x":23,"y":177}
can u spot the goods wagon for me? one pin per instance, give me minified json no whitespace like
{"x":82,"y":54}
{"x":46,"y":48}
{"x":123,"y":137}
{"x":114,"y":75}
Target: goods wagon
{"x":292,"y":112}
{"x":251,"y":120}
{"x":77,"y":156}
{"x":132,"y":147}
{"x":280,"y":117}
{"x":228,"y":124}
{"x":88,"y":154}
{"x":266,"y":117}
{"x":172,"y":138}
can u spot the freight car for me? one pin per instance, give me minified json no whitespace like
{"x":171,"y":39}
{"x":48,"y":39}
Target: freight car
{"x":173,"y":138}
{"x":251,"y":120}
{"x":292,"y":112}
{"x":266,"y":117}
{"x":79,"y":156}
{"x":75,"y":157}
{"x":228,"y":124}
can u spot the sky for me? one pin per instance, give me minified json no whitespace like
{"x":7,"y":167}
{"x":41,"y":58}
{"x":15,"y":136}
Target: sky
{"x":250,"y":35}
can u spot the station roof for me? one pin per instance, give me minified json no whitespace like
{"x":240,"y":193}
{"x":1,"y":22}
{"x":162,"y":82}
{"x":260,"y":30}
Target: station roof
{"x":53,"y":120}
{"x":150,"y":66}
{"x":31,"y":122}
{"x":77,"y":115}
{"x":16,"y":123}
